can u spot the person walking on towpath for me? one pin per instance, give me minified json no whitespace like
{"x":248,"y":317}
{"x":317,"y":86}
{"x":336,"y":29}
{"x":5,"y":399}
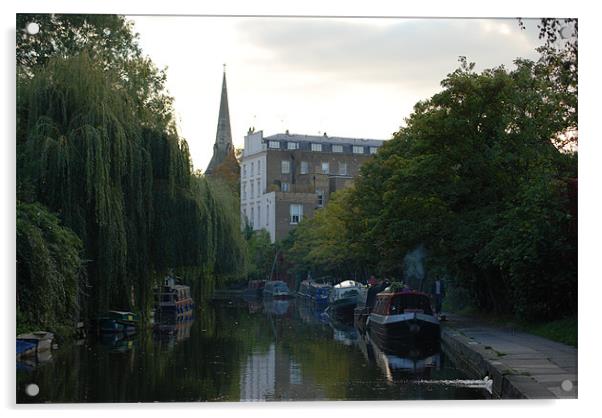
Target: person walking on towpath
{"x":438,"y":294}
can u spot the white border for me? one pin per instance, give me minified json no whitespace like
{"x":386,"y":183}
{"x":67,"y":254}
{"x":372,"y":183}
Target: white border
{"x":589,"y":209}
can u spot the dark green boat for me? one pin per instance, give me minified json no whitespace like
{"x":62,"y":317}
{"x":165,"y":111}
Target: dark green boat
{"x":118,"y":321}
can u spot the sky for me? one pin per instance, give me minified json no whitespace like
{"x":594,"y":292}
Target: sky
{"x":354,"y":77}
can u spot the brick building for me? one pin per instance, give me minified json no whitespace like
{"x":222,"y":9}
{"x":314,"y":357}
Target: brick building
{"x":286,"y":177}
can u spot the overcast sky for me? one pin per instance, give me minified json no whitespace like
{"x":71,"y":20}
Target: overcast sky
{"x":347,"y":77}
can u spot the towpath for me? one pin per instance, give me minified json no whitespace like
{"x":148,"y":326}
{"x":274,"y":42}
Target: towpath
{"x":521,"y":365}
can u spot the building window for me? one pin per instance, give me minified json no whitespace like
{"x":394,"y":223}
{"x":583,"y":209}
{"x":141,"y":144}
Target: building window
{"x":284,"y":187}
{"x":252,"y":190}
{"x":337,"y":148}
{"x":252,"y":217}
{"x":342,"y":168}
{"x":320,"y":194}
{"x":316,"y":147}
{"x":373,"y":150}
{"x":258,"y":216}
{"x":358,"y":149}
{"x":296,"y":211}
{"x":274,"y":144}
{"x":244,"y":190}
{"x":292,"y":145}
{"x":244,"y":170}
{"x":259,"y":167}
{"x":304,"y":167}
{"x":267,"y":215}
{"x":252,"y":169}
{"x":258,"y":188}
{"x":325,"y":167}
{"x":285,"y":166}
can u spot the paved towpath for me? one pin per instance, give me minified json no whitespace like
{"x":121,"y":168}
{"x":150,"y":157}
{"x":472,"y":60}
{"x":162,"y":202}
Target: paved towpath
{"x":521,"y":365}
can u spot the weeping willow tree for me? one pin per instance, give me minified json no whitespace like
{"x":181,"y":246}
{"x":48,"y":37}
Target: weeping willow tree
{"x":49,"y":266}
{"x":121,"y":182}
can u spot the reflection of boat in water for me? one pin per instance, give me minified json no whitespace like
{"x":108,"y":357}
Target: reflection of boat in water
{"x":276,"y":306}
{"x":254,"y":306}
{"x":403,"y":317}
{"x":343,"y":332}
{"x":403,"y":363}
{"x":117,"y":342}
{"x":178,"y":331}
{"x":343,"y":297}
{"x":311,"y":313}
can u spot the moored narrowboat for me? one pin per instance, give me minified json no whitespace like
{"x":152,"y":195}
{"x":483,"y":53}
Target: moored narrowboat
{"x":254,"y":289}
{"x":173,"y":301}
{"x":118,"y":322}
{"x":276,"y":289}
{"x":319,"y":292}
{"x":402,"y":317}
{"x":304,"y":289}
{"x":343,"y":298}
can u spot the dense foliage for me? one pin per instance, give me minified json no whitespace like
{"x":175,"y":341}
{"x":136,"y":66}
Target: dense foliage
{"x":92,"y":148}
{"x":479,"y":178}
{"x":49,"y":267}
{"x":261,"y":253}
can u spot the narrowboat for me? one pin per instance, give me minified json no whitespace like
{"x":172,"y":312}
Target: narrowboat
{"x":304,"y":289}
{"x":402,"y":317}
{"x":173,"y":301}
{"x":117,"y":322}
{"x":254,"y":289}
{"x":31,"y":344}
{"x":343,"y":298}
{"x":276,"y":289}
{"x":319,"y":292}
{"x":365,"y":303}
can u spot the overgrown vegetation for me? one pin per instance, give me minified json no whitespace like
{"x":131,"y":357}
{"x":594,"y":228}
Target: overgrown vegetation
{"x":97,"y":146}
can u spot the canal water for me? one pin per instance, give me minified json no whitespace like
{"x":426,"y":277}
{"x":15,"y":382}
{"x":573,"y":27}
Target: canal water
{"x":242,"y":351}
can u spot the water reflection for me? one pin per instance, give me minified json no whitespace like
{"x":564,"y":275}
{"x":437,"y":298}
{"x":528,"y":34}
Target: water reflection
{"x":276,"y":306}
{"x":242,"y":350}
{"x":404,"y":363}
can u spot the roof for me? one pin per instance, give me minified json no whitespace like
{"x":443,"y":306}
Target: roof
{"x":324,"y":139}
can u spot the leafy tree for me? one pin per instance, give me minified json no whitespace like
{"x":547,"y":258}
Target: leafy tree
{"x":473,"y":162}
{"x":326,"y":244}
{"x":261,"y":254}
{"x":50,"y":268}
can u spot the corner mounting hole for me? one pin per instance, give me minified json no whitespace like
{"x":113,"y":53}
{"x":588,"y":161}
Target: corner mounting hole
{"x":32,"y":390}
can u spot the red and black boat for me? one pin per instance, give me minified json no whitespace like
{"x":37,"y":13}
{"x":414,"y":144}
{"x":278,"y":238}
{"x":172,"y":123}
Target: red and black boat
{"x":402,"y":317}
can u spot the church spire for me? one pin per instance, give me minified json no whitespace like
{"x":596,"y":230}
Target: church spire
{"x":223,"y":136}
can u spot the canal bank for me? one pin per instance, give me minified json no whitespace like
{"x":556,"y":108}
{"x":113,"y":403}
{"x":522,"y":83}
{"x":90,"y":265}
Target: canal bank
{"x":522,"y":366}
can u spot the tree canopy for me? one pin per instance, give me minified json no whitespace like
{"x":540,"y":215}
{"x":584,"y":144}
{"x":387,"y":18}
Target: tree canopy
{"x":92,"y":149}
{"x":479,"y":179}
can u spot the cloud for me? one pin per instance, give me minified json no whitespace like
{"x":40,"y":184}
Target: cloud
{"x":411,"y":52}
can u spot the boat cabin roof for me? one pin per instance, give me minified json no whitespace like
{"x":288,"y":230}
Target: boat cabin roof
{"x":401,"y":292}
{"x":348,"y":283}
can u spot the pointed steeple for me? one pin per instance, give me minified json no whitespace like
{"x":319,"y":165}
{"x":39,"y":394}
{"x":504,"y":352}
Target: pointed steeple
{"x":223,"y":137}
